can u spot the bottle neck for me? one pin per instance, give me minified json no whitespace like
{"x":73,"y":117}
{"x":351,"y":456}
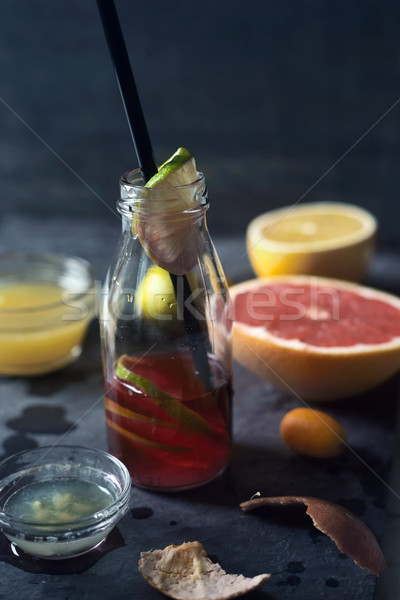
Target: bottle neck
{"x":169,"y":222}
{"x":167,"y":202}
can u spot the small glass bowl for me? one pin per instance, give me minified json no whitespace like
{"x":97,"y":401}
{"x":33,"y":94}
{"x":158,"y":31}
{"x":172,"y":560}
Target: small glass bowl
{"x":46,"y":304}
{"x":53,"y":538}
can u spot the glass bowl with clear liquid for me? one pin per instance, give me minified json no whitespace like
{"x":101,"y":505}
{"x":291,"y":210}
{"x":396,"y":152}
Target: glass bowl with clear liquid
{"x":62,"y":501}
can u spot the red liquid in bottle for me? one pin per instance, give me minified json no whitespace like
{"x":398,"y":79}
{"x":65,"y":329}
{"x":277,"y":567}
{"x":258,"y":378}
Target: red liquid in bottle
{"x":170,"y":429}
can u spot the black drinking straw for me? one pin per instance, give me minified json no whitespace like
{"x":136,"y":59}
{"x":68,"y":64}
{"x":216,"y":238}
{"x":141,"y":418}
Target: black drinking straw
{"x":147,"y":163}
{"x":127,"y":88}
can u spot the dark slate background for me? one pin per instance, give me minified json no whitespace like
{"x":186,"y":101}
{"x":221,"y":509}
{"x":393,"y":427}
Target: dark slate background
{"x":279,"y":101}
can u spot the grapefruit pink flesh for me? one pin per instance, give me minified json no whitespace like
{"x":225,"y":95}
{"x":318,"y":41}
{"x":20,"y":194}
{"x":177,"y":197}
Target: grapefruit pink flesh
{"x":318,"y":315}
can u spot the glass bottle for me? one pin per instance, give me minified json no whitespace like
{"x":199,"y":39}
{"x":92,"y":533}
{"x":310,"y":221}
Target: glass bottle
{"x":166,"y":340}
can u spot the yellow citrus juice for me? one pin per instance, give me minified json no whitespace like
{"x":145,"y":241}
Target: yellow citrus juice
{"x":42,"y":327}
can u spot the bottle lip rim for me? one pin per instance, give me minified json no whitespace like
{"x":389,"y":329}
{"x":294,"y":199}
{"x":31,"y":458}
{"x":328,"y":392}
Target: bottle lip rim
{"x":134,"y":180}
{"x":134,"y":194}
{"x":129,"y":207}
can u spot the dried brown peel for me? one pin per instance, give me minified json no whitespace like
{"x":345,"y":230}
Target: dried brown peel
{"x":185,"y":572}
{"x":350,"y":534}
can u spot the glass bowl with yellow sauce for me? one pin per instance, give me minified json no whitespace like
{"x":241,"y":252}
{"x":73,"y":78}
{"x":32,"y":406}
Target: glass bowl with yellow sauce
{"x":62,"y":501}
{"x":46,"y":304}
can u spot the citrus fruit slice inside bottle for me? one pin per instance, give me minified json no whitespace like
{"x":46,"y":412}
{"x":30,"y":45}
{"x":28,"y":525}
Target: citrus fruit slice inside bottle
{"x":167,"y":230}
{"x":318,"y":238}
{"x":171,"y":405}
{"x":155,"y":297}
{"x":179,"y":169}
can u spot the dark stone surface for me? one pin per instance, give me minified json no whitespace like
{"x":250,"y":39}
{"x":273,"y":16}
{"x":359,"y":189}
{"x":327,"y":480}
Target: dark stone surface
{"x":304,"y":563}
{"x":67,"y":407}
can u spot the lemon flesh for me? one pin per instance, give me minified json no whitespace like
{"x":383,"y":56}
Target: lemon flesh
{"x":318,"y":238}
{"x":312,"y":228}
{"x":178,"y":170}
{"x":155,"y":296}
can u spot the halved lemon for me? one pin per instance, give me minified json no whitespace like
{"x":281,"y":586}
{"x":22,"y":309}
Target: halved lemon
{"x":329,"y":239}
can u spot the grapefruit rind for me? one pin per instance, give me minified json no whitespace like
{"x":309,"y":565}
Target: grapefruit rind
{"x":342,"y":257}
{"x":313,"y":372}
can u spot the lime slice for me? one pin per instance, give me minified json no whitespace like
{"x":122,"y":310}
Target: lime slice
{"x":141,"y":441}
{"x":127,"y":413}
{"x":178,"y":170}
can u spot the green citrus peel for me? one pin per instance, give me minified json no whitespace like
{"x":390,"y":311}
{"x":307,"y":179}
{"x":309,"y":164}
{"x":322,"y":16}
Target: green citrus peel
{"x":134,"y":416}
{"x":179,"y":169}
{"x":141,"y":441}
{"x":171,"y":405}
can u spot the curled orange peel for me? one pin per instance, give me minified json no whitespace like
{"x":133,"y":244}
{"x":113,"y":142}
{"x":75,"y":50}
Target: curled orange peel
{"x":350,"y":534}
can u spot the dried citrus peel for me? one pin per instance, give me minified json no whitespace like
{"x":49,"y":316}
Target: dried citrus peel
{"x":350,"y":534}
{"x":185,"y":572}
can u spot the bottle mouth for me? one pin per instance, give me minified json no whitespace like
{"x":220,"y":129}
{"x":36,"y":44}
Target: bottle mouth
{"x":133,"y":180}
{"x":190,"y":200}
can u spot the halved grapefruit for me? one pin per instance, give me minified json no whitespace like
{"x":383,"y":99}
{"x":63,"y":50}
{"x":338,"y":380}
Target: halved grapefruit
{"x":318,"y":338}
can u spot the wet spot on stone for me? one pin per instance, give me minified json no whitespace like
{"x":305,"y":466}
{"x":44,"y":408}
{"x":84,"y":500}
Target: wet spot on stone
{"x":295,"y":566}
{"x":41,"y":419}
{"x":17,"y":443}
{"x":141,"y":512}
{"x":332,"y":582}
{"x":173,"y":523}
{"x":48,"y":385}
